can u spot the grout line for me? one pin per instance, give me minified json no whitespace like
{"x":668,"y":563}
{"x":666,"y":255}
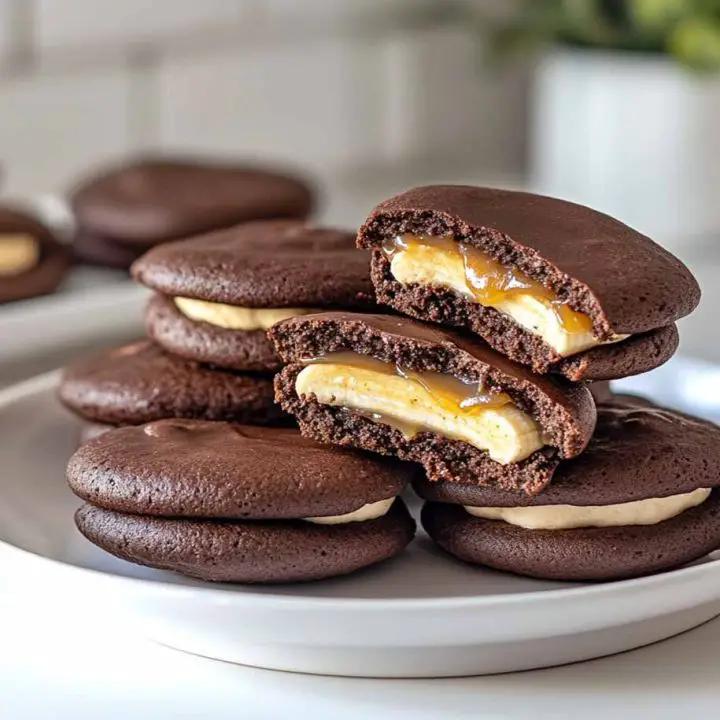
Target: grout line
{"x":21,"y":59}
{"x":143,"y":114}
{"x":255,"y":32}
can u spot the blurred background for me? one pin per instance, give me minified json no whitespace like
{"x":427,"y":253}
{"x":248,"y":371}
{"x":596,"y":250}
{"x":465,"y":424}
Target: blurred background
{"x":615,"y":104}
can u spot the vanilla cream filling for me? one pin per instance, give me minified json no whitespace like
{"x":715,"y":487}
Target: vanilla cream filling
{"x":18,"y":254}
{"x":507,"y":433}
{"x":566,"y":517}
{"x":371,"y":511}
{"x":232,"y":317}
{"x":431,"y":266}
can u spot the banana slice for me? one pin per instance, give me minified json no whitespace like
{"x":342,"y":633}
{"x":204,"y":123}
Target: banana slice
{"x":18,"y":254}
{"x":507,"y":433}
{"x":431,"y":266}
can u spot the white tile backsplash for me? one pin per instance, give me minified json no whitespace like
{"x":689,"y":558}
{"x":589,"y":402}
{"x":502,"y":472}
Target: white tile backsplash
{"x":96,"y":22}
{"x":6,"y":30}
{"x":341,"y":9}
{"x":312,"y":104}
{"x":345,"y":88}
{"x":53,"y":128}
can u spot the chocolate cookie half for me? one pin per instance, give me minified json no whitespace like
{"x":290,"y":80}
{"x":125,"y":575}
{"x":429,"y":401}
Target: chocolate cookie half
{"x":642,"y":498}
{"x":128,"y":208}
{"x":32,"y":261}
{"x":550,"y":284}
{"x":239,"y":503}
{"x":219,"y":293}
{"x":399,"y":387}
{"x":244,"y":552}
{"x":140,"y":382}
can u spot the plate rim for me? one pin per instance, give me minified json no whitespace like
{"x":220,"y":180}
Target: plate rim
{"x":593,"y":591}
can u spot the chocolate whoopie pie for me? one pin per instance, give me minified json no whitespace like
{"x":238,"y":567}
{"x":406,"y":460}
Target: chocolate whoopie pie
{"x":140,"y":382}
{"x":239,"y":504}
{"x":219,"y":293}
{"x":128,"y":208}
{"x":32,"y":261}
{"x":399,"y":387}
{"x":550,"y":284}
{"x":643,"y":497}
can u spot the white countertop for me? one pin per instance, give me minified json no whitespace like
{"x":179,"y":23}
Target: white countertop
{"x":55,"y":665}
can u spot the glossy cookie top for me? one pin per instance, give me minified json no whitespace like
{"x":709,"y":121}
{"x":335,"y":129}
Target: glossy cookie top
{"x":140,"y":382}
{"x":277,"y":263}
{"x":150,"y":200}
{"x":192,"y":468}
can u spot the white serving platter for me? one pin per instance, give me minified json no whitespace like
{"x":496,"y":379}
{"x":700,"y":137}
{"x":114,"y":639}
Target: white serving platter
{"x":421,"y":615}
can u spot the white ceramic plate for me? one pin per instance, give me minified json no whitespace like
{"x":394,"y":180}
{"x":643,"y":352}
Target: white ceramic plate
{"x":423,"y":614}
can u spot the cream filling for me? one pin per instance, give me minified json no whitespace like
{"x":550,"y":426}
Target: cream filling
{"x":232,"y":317}
{"x":371,"y":511}
{"x":566,"y":517}
{"x":433,"y":267}
{"x":18,"y":254}
{"x":507,"y":433}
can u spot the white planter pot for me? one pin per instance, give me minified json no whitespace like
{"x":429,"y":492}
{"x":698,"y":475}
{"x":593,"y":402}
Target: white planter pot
{"x":635,"y":136}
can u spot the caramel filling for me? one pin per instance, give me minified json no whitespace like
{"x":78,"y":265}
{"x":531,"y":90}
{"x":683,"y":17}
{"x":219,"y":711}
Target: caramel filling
{"x":414,"y":402}
{"x":18,"y":254}
{"x":455,"y":265}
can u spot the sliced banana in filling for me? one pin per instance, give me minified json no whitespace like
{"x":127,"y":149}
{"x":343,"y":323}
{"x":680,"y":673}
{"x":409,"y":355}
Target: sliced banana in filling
{"x":18,"y":254}
{"x":423,"y":401}
{"x":444,"y":262}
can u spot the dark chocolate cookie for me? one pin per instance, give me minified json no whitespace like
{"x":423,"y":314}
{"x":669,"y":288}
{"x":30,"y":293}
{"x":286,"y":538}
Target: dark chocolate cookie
{"x":191,"y":468}
{"x":148,"y":201}
{"x":32,"y":261}
{"x":140,"y":382}
{"x":564,"y":414}
{"x":602,"y":553}
{"x":258,"y":269}
{"x":247,"y":350}
{"x":248,"y":552}
{"x":270,"y":264}
{"x":638,"y":451}
{"x":619,"y":280}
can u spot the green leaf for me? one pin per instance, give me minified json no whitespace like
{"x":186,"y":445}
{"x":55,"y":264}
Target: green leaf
{"x":696,"y":43}
{"x":658,"y":16}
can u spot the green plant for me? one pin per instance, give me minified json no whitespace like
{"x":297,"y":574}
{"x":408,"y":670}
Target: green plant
{"x":688,"y":30}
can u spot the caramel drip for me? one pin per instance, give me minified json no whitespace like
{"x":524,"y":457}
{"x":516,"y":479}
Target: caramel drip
{"x":457,"y":396}
{"x":489,"y":281}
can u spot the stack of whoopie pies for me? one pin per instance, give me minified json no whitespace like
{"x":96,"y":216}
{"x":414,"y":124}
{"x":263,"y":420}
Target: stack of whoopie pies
{"x":513,"y":304}
{"x":506,"y":314}
{"x":172,"y":469}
